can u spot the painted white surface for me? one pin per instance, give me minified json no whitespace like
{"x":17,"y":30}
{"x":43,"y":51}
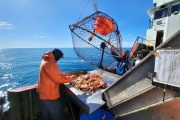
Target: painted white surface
{"x":169,"y":24}
{"x":160,"y":2}
{"x":167,"y":67}
{"x":151,"y":37}
{"x":173,"y":25}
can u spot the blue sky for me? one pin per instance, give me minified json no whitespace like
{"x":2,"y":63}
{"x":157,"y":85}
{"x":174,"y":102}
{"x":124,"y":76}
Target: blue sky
{"x":45,"y":23}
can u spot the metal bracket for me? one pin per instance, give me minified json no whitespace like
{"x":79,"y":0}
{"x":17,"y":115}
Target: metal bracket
{"x":151,"y":75}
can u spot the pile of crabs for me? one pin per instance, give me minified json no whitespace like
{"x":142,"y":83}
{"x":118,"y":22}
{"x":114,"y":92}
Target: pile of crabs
{"x":89,"y":82}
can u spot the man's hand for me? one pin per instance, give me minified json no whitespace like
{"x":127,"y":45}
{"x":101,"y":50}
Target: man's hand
{"x":73,"y":77}
{"x":112,"y":48}
{"x":121,"y":52}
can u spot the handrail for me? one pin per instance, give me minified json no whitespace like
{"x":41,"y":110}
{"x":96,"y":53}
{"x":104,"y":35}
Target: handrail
{"x":137,"y":40}
{"x":142,"y":41}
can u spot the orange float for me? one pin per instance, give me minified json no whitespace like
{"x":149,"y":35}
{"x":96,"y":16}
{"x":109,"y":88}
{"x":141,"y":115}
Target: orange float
{"x":103,"y":25}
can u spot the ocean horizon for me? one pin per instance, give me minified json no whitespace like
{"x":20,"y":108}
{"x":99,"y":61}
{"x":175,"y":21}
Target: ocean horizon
{"x":19,"y":67}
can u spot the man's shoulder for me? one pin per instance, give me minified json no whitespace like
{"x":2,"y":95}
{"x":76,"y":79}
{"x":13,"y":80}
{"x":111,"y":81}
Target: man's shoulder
{"x":49,"y":64}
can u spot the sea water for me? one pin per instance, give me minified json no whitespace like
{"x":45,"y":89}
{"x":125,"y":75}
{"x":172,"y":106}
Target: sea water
{"x":20,"y":66}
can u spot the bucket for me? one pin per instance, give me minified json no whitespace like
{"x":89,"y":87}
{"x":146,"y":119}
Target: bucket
{"x":99,"y":114}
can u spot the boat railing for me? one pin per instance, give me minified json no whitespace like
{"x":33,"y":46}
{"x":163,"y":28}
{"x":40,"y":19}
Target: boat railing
{"x":141,"y":44}
{"x":138,"y":40}
{"x":150,"y":23}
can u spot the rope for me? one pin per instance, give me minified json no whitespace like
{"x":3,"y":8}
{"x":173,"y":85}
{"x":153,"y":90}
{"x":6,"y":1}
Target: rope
{"x":123,"y":28}
{"x":95,"y":5}
{"x":83,"y":10}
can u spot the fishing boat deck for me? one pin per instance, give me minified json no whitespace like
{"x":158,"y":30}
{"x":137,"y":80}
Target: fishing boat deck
{"x":89,"y":102}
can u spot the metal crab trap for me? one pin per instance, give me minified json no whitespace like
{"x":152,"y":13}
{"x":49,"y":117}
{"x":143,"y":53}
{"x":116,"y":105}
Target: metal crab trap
{"x":93,"y":36}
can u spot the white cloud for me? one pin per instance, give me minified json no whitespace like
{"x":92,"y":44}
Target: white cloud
{"x":6,"y":25}
{"x":40,"y":36}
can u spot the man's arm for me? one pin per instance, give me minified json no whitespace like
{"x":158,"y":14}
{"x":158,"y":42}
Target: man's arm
{"x":116,"y":56}
{"x":57,"y":76}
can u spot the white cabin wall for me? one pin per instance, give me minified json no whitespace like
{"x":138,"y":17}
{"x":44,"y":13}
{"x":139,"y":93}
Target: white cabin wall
{"x":158,"y":25}
{"x":169,"y":25}
{"x":151,"y":37}
{"x":160,"y":2}
{"x":173,"y":23}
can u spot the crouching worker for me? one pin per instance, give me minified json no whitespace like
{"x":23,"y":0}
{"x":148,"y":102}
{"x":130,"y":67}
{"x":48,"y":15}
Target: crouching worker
{"x":124,"y":61}
{"x":50,"y":77}
{"x":138,"y":58}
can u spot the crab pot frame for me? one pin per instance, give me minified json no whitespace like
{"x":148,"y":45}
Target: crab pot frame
{"x":87,"y":39}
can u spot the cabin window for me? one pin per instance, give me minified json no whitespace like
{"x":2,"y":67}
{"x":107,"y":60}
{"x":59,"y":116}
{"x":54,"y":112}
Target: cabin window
{"x":161,"y":13}
{"x":175,"y":8}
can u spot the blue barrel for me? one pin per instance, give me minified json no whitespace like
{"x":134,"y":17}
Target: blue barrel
{"x":99,"y":114}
